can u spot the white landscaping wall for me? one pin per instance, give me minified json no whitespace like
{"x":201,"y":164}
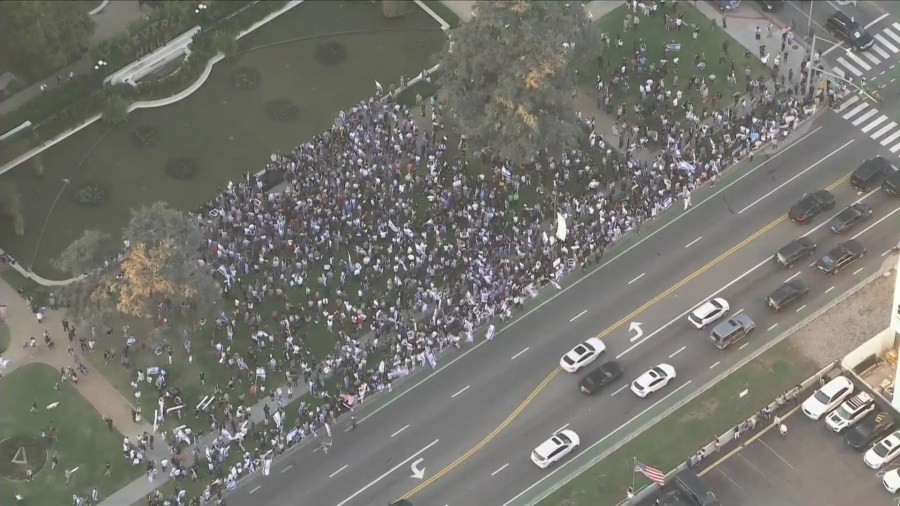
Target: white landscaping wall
{"x":877,"y":346}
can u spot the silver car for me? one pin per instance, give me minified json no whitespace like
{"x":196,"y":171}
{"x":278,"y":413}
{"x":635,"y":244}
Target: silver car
{"x":732,"y":330}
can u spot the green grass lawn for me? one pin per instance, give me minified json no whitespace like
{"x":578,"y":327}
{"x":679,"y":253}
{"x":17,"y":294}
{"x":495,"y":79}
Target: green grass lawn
{"x":671,"y":441}
{"x":83,"y":440}
{"x":4,"y":337}
{"x":652,"y":32}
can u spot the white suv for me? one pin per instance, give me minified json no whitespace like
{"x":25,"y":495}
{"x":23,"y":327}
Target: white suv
{"x":827,"y":398}
{"x":708,"y":312}
{"x":558,"y":446}
{"x":850,"y":412}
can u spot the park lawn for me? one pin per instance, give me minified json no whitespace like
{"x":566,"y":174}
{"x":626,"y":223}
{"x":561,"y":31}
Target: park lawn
{"x":671,"y":441}
{"x":84,"y":440}
{"x":39,"y":295}
{"x":652,"y":31}
{"x":4,"y":337}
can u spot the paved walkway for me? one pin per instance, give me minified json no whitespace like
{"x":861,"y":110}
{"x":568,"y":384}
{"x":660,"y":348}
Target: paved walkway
{"x":112,"y":20}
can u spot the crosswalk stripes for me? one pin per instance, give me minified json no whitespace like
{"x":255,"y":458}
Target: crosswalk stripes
{"x":887,"y":45}
{"x":871,"y":121}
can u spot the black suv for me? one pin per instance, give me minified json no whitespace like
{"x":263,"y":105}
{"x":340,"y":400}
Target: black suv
{"x":810,"y":205}
{"x":870,"y":429}
{"x":871,"y":174}
{"x":850,"y":217}
{"x":850,"y":31}
{"x":841,"y":256}
{"x":787,"y":294}
{"x":891,"y":184}
{"x":794,"y":251}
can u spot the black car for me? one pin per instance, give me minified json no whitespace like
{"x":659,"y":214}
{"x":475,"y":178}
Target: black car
{"x":794,"y":251}
{"x":771,"y":5}
{"x":787,"y":294}
{"x":871,"y":174}
{"x":891,"y":184}
{"x":873,"y":427}
{"x":841,"y":256}
{"x":846,"y":28}
{"x":601,"y":377}
{"x":810,"y":205}
{"x":850,"y":217}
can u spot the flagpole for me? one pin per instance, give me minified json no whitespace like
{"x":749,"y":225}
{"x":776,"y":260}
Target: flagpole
{"x":633,"y":467}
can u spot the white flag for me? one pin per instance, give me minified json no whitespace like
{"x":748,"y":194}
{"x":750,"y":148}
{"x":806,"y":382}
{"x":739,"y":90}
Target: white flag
{"x":561,"y":230}
{"x":267,"y":466}
{"x":490,"y":332}
{"x":431,"y":359}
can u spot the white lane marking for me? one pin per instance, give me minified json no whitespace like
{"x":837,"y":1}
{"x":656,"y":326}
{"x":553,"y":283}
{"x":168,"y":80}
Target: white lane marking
{"x":804,"y":171}
{"x":885,"y":129}
{"x":886,"y":252}
{"x":859,"y":61}
{"x":637,"y":278}
{"x":860,"y":120}
{"x":714,"y":365}
{"x":812,"y":264}
{"x":557,"y":431}
{"x":461,"y":391}
{"x":795,"y":275}
{"x":401,"y":430}
{"x":664,"y":226}
{"x":767,"y":260}
{"x":678,"y":351}
{"x":772,"y":327}
{"x":731,"y":480}
{"x":889,"y":139}
{"x":885,"y":42}
{"x":881,"y":52}
{"x":391,"y":470}
{"x":600,"y":441}
{"x":876,"y":20}
{"x":500,"y":469}
{"x":287,"y":468}
{"x":256,"y":488}
{"x":892,"y":34}
{"x":857,"y":271}
{"x":579,"y":315}
{"x":619,"y":390}
{"x":856,"y":110}
{"x":688,"y":245}
{"x":332,"y":475}
{"x":830,"y":289}
{"x":847,"y":103}
{"x":521,"y":352}
{"x":863,"y":231}
{"x":739,"y":311}
{"x":744,"y":346}
{"x":776,"y":453}
{"x":874,"y":123}
{"x":801,"y":308}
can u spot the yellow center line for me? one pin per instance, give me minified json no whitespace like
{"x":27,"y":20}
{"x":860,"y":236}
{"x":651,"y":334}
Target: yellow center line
{"x":534,"y":393}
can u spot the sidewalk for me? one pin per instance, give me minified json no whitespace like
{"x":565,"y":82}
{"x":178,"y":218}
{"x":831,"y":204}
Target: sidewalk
{"x":112,"y":20}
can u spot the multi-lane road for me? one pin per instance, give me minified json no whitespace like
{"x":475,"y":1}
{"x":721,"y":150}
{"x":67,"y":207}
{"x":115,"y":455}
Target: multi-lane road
{"x":473,"y":422}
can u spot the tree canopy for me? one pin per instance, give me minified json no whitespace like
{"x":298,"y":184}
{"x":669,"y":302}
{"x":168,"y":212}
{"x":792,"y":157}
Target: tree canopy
{"x":509,"y":76}
{"x":85,"y":253}
{"x":40,"y":36}
{"x":160,"y":275}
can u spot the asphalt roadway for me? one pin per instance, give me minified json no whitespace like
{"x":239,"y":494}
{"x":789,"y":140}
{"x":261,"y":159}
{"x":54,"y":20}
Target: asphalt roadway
{"x":473,"y":422}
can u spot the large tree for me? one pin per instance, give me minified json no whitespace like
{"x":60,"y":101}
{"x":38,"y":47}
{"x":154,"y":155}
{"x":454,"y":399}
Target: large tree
{"x":85,"y":253}
{"x":509,"y":76}
{"x":39,"y":36}
{"x":161,"y":267}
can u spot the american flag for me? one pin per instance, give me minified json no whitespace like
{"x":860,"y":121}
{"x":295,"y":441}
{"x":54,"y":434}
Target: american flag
{"x":652,"y":474}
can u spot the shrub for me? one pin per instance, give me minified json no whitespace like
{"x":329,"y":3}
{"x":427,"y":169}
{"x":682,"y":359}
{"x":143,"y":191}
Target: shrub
{"x":282,"y":109}
{"x":182,"y":168}
{"x":91,"y":195}
{"x":116,"y":109}
{"x":145,"y":136}
{"x":246,"y":78}
{"x":224,"y":42}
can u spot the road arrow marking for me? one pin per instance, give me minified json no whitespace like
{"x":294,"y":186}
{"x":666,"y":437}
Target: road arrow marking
{"x":636,"y":326}
{"x":846,"y":2}
{"x":416,"y":472}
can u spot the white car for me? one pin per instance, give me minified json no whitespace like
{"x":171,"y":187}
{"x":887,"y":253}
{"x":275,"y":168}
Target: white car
{"x":827,"y":398}
{"x":851,"y":411}
{"x":558,"y":446}
{"x":653,"y":380}
{"x":892,"y":480}
{"x":884,"y":451}
{"x":582,"y":355}
{"x":708,"y":312}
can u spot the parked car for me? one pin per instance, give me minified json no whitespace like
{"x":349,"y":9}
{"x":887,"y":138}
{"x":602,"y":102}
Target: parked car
{"x":787,"y":294}
{"x":891,"y":480}
{"x":794,"y":251}
{"x":600,"y":377}
{"x":884,"y":451}
{"x":811,"y":205}
{"x":850,"y":217}
{"x":847,"y":29}
{"x":827,"y":398}
{"x":732,"y":330}
{"x":582,"y":355}
{"x":851,"y":411}
{"x":653,"y":380}
{"x":874,"y":426}
{"x":841,"y":256}
{"x":871,"y":173}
